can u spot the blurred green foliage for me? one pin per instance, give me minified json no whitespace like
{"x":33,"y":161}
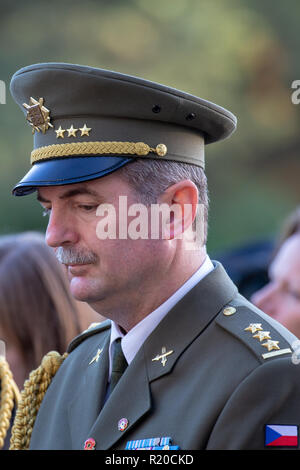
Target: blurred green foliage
{"x":240,"y":54}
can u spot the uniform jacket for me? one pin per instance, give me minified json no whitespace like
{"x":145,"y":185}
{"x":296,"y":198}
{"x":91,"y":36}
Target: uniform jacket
{"x":216,"y":390}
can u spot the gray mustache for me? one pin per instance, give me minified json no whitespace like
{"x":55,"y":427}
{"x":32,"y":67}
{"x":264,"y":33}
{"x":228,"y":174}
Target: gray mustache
{"x":72,"y":256}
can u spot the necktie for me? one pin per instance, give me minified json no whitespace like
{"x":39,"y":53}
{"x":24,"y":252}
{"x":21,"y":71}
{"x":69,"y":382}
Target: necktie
{"x":119,"y":365}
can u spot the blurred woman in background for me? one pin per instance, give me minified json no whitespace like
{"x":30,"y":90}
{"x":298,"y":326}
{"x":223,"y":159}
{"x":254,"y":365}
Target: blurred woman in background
{"x":37,"y":312}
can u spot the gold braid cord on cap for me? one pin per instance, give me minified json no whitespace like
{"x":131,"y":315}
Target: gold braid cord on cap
{"x":8,"y":397}
{"x":31,"y":398}
{"x":96,"y":148}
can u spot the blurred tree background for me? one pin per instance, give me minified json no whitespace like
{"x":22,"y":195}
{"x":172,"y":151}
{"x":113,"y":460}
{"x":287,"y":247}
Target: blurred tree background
{"x":241,"y":54}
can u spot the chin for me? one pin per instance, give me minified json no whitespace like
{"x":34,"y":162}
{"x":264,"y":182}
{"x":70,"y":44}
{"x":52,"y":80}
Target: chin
{"x":84,"y":290}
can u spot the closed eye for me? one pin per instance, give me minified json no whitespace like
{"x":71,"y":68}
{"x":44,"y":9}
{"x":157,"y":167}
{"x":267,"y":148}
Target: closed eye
{"x":87,"y":208}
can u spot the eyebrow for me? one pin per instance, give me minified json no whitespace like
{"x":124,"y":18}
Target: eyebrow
{"x":72,"y":193}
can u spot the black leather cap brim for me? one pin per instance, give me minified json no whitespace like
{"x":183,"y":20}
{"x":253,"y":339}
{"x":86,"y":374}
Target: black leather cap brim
{"x":63,"y":171}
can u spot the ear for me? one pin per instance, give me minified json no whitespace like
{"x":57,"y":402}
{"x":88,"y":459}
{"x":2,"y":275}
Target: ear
{"x":182,"y":199}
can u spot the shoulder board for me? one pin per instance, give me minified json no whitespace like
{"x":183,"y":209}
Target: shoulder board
{"x":265,"y":337}
{"x":93,"y":329}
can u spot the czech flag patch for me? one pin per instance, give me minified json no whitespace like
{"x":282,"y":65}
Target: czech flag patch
{"x":281,"y":435}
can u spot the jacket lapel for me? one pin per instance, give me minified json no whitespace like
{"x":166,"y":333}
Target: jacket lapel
{"x":130,"y":399}
{"x":86,"y":405}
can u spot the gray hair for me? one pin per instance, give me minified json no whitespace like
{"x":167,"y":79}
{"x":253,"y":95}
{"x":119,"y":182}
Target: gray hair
{"x":150,"y":178}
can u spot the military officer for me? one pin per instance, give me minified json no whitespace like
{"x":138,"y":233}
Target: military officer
{"x":182,"y":361}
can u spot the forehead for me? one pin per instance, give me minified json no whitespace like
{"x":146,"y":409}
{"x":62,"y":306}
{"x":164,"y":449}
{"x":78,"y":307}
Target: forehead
{"x":98,"y":188}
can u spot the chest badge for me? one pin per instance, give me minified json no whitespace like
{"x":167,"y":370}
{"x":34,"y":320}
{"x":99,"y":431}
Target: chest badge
{"x":163,"y":356}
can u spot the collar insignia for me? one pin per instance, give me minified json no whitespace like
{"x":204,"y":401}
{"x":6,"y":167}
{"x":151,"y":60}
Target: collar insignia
{"x":95,"y":358}
{"x":163,"y":356}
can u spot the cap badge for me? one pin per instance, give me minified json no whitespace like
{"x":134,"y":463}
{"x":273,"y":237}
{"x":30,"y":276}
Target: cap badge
{"x":38,"y":115}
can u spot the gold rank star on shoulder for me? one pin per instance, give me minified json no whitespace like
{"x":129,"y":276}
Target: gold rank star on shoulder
{"x":272,"y":346}
{"x":254,"y":327}
{"x":262,"y":335}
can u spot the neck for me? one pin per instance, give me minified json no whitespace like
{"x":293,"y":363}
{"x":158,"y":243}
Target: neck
{"x":129,"y":308}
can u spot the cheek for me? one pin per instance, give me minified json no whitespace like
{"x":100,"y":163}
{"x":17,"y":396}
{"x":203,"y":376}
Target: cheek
{"x":121,"y":254}
{"x":130,"y":258}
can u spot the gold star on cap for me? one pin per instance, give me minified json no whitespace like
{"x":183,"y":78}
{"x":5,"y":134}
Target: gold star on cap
{"x":60,"y":132}
{"x":271,"y":345}
{"x":261,"y":335}
{"x":37,"y":115}
{"x":85,"y":130}
{"x":72,"y":131}
{"x":254,"y":327}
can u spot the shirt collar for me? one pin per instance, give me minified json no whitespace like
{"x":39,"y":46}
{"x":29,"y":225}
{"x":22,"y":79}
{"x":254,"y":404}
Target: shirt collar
{"x":133,"y":340}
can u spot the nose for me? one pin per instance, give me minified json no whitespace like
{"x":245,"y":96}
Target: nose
{"x":60,"y":230}
{"x":266,"y":299}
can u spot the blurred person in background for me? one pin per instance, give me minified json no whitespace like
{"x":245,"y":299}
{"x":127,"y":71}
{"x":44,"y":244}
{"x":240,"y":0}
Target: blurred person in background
{"x":280,"y":297}
{"x":290,"y":227}
{"x":38,"y":314}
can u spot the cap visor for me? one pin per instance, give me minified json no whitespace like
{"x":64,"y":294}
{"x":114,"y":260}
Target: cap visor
{"x":68,"y":170}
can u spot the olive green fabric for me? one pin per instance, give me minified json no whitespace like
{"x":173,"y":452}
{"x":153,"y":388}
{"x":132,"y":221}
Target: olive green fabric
{"x":215,"y":391}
